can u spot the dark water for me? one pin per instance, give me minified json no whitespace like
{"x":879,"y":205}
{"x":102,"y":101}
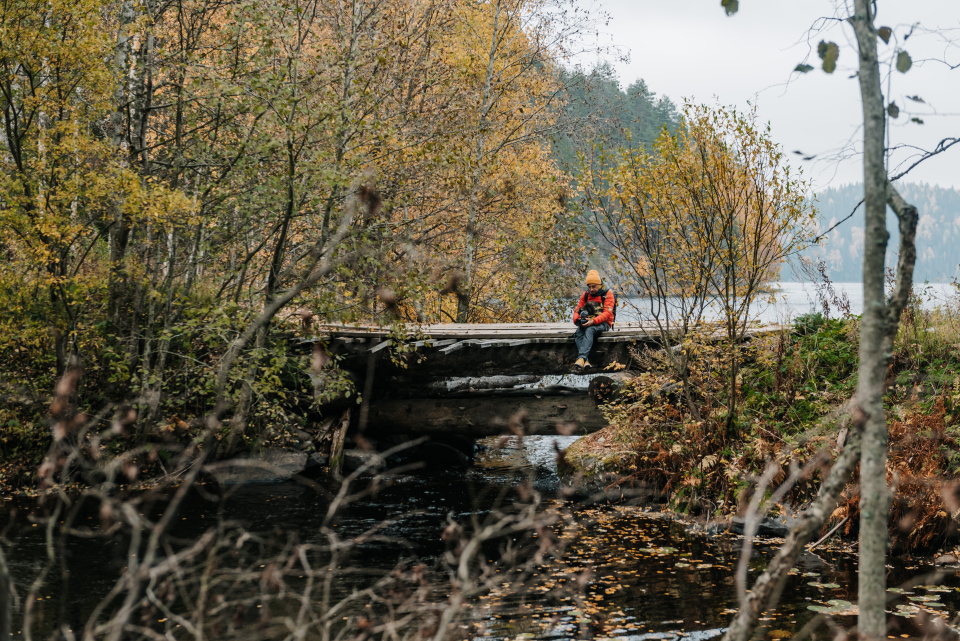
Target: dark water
{"x":611,"y":571}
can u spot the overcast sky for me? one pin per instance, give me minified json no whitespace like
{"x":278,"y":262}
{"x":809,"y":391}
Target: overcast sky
{"x":691,"y":49}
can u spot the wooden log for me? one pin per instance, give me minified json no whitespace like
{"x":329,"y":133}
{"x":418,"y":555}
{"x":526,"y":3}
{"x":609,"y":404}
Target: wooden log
{"x":336,"y":443}
{"x":633,"y":330}
{"x":480,"y":415}
{"x":471,"y":358}
{"x":466,"y":383}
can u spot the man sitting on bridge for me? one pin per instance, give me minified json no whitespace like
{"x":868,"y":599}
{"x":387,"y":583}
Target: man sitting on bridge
{"x":594,"y":314}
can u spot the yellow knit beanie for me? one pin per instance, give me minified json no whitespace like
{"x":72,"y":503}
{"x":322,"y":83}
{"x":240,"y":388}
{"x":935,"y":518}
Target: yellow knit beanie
{"x":593,"y":278}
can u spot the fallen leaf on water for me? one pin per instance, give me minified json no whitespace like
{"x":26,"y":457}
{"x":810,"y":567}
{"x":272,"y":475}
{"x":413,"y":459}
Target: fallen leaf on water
{"x":835,"y":606}
{"x":925,"y":598}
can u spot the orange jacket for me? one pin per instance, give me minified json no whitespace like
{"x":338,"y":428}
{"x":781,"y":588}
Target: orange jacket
{"x":603,"y":297}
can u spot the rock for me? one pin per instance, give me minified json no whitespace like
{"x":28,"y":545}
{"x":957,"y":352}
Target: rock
{"x":432,"y":455}
{"x":270,"y":466}
{"x":355,"y":459}
{"x":778,"y":527}
{"x":303,"y":437}
{"x":718,"y":527}
{"x":946,"y":559}
{"x":607,"y":388}
{"x":316,"y":460}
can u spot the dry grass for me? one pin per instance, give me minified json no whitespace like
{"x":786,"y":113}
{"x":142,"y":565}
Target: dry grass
{"x":706,"y":465}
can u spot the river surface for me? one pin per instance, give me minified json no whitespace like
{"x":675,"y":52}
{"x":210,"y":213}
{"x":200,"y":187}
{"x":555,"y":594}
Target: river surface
{"x":615,"y":571}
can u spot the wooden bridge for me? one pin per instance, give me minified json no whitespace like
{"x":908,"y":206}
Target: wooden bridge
{"x":476,"y":379}
{"x":476,"y":350}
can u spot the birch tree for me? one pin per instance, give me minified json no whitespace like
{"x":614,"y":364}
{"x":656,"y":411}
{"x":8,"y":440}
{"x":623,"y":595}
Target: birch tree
{"x":879,"y":324}
{"x":703,"y":220}
{"x":512,"y":87}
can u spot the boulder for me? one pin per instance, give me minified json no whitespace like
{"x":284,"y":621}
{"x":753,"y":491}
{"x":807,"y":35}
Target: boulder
{"x":770,"y":526}
{"x":272,"y":465}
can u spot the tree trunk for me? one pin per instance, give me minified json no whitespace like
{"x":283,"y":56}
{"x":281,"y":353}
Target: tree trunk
{"x":465,"y":294}
{"x":874,"y":494}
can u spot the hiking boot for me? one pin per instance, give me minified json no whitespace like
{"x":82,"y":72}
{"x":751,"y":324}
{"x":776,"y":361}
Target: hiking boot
{"x":586,"y":364}
{"x":580,"y":363}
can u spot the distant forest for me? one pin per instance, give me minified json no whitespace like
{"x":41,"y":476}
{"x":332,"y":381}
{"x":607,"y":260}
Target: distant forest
{"x":602,"y":115}
{"x":938,"y":233}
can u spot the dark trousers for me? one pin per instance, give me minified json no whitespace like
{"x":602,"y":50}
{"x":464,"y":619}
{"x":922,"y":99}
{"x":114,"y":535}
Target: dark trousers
{"x":584,"y":338}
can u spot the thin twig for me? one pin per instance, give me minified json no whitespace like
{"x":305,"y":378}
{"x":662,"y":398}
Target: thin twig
{"x":827,"y":535}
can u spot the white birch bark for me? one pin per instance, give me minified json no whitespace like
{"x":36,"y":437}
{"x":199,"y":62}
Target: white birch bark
{"x":874,"y":494}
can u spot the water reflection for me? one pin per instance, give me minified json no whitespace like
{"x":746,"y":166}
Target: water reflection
{"x":616,"y":571}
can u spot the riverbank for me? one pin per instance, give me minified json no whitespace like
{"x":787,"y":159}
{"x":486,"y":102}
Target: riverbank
{"x":686,"y":449}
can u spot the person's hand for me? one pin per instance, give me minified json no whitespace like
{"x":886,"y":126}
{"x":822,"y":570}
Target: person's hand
{"x":587,"y":323}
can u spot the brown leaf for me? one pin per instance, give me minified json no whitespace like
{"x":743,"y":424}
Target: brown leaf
{"x":518,"y":423}
{"x":566,"y":428}
{"x":389,"y":299}
{"x":67,"y":384}
{"x":453,"y":283}
{"x":319,"y":358}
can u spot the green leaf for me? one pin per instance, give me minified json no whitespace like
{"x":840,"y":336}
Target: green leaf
{"x":916,"y":99}
{"x":829,"y":52}
{"x":885,"y":33}
{"x":833,"y":607}
{"x":817,"y":584}
{"x":802,"y":68}
{"x":904,"y":62}
{"x":731,"y":6}
{"x":893,"y":110}
{"x":919,"y":121}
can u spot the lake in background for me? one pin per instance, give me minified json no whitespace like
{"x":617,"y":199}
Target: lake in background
{"x":787,"y":300}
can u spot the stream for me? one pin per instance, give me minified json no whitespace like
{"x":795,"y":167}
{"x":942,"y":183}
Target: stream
{"x":622,"y":571}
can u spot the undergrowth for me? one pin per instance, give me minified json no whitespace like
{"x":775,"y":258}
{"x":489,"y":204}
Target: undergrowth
{"x":790,"y":390}
{"x":110,"y":389}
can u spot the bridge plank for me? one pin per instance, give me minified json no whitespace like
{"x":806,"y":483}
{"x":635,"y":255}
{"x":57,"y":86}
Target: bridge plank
{"x":380,"y":346}
{"x":459,"y":331}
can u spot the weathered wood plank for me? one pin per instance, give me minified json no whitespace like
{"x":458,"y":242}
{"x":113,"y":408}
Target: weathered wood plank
{"x":473,"y":355}
{"x":481,"y":416}
{"x":622,"y":331}
{"x":380,"y":346}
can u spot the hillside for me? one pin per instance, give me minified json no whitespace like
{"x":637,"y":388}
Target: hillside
{"x":938,"y":232}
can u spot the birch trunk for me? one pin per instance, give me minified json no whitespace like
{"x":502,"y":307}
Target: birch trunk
{"x":878,"y":329}
{"x":874,"y":494}
{"x":473,"y":207}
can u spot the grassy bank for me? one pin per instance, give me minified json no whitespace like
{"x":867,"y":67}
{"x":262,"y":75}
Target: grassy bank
{"x":791,"y":390}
